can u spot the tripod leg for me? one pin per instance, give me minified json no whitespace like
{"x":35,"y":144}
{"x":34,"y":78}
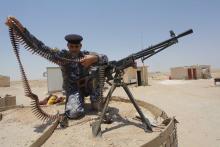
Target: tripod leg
{"x":96,"y":126}
{"x":143,"y":118}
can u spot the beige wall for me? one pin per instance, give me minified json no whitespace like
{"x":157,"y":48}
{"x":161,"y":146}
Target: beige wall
{"x":8,"y":100}
{"x":206,"y":71}
{"x":179,"y":73}
{"x":144,"y":74}
{"x":130,"y":75}
{"x":4,"y":81}
{"x":202,"y":71}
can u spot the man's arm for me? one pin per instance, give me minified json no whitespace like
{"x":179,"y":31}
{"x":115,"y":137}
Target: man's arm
{"x":91,"y":58}
{"x":32,"y":43}
{"x":101,"y":58}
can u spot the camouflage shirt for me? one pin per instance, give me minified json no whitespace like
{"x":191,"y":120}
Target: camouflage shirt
{"x":74,"y":71}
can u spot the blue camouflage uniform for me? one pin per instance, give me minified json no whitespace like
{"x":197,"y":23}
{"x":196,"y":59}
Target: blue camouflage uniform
{"x":71,"y":72}
{"x":75,"y":96}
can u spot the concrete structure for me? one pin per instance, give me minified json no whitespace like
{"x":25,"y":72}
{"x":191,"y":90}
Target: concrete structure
{"x":137,"y":75}
{"x":4,"y":81}
{"x":8,"y":100}
{"x":191,"y":72}
{"x":2,"y":102}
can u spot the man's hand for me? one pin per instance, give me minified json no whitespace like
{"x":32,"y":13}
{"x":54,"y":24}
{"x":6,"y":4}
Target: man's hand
{"x":88,"y":60}
{"x":10,"y":21}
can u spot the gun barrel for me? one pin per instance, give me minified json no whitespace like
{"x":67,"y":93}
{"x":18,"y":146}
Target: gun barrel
{"x":185,"y":33}
{"x":160,"y":46}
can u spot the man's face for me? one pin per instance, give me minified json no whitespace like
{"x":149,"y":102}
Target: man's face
{"x":74,"y":48}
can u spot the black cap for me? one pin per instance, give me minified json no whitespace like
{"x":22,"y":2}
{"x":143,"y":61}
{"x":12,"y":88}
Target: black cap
{"x":73,"y":38}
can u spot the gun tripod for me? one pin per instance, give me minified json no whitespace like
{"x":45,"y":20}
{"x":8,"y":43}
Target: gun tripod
{"x":118,"y":82}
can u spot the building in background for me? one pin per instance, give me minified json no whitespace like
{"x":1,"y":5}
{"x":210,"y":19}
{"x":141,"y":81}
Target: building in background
{"x":137,"y":75}
{"x":4,"y":81}
{"x":191,"y":72}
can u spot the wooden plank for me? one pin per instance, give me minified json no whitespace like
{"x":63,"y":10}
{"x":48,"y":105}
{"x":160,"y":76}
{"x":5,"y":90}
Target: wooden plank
{"x":43,"y":138}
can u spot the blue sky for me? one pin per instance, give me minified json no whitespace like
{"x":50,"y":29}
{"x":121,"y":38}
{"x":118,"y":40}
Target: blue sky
{"x":116,"y":28}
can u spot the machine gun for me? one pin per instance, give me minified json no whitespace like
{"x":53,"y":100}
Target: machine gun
{"x":116,"y":68}
{"x":148,"y":52}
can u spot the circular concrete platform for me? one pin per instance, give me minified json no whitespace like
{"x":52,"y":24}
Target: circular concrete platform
{"x":20,"y":127}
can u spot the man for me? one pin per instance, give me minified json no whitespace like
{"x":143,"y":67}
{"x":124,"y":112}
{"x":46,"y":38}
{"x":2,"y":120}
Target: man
{"x":71,"y":72}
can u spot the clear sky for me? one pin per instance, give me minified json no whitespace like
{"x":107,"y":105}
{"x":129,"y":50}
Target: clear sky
{"x":116,"y":28}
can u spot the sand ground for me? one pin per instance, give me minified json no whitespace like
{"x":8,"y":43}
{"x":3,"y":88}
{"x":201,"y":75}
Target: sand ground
{"x":194,"y":103}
